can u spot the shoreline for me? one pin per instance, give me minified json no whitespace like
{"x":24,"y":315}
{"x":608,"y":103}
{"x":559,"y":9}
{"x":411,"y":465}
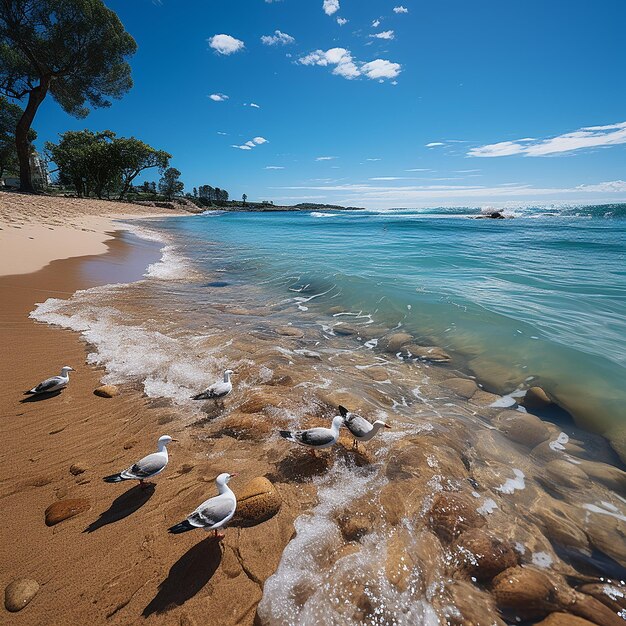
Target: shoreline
{"x":165,"y":580}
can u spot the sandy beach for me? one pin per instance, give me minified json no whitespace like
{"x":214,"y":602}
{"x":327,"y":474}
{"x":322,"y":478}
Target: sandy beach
{"x":389,"y":526}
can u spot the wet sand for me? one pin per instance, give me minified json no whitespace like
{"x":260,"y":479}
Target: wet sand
{"x":430,"y":522}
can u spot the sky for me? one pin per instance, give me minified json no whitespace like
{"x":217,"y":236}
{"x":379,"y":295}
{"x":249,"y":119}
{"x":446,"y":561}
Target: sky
{"x":378,"y":103}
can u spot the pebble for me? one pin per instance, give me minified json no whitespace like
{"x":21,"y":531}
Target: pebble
{"x":483,"y":555}
{"x":462,"y":387}
{"x":78,"y":468}
{"x":394,"y":342}
{"x":64,"y":509}
{"x":452,"y":514}
{"x":19,"y":593}
{"x":290,"y":331}
{"x":106,"y":391}
{"x":257,"y":501}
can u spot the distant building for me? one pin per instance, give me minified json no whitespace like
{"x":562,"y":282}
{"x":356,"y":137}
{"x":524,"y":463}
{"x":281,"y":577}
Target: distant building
{"x":38,"y":171}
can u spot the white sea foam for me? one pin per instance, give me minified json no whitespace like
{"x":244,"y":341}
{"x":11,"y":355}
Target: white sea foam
{"x":513,"y":484}
{"x":542,"y":559}
{"x":320,"y":214}
{"x":171,"y":266}
{"x":168,"y":366}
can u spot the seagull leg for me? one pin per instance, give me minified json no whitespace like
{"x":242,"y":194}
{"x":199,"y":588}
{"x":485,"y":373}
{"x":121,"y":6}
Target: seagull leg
{"x":217,"y":535}
{"x":312,"y":452}
{"x":143,"y":484}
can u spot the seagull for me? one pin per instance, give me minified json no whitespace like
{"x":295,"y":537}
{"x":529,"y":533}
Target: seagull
{"x":360,"y":428}
{"x":217,"y":390}
{"x":212,"y":514}
{"x":55,"y":383}
{"x":147,"y":467}
{"x":315,"y":438}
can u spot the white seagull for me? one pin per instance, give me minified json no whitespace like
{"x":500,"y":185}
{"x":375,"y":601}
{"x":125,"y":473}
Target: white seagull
{"x":145,"y":468}
{"x":212,"y":514}
{"x":360,"y":428}
{"x":217,"y":390}
{"x":55,"y":383}
{"x":315,"y":438}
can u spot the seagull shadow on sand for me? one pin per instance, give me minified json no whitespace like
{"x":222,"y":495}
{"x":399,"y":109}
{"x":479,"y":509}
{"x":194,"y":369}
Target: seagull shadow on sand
{"x":187,"y":576}
{"x":300,"y":466}
{"x":38,"y":397}
{"x":123,"y":506}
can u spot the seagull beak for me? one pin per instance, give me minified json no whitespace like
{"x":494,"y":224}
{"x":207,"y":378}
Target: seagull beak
{"x":233,"y":475}
{"x":176,"y":440}
{"x":387,"y":426}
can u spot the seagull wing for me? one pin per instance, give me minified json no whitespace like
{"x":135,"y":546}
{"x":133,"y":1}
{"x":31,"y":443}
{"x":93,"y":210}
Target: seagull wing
{"x":146,"y":467}
{"x":49,"y":384}
{"x":357,"y":425}
{"x":213,"y":512}
{"x":314,"y":436}
{"x":217,"y":390}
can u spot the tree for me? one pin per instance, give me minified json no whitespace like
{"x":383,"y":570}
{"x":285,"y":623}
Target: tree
{"x":133,"y":156}
{"x":169,"y":185}
{"x":9,"y":116}
{"x":74,"y":49}
{"x":244,"y":198}
{"x":195,"y":192}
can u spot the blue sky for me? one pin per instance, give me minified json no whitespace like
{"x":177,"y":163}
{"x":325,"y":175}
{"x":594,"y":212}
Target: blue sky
{"x":418,"y":102}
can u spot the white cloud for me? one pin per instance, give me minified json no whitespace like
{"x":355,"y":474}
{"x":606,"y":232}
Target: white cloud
{"x":330,"y":6}
{"x":277,"y":39}
{"x":274,"y":167}
{"x":345,"y":65}
{"x":588,"y":137}
{"x":225,"y":44}
{"x":325,"y":158}
{"x":254,"y":105}
{"x":218,"y":97}
{"x":419,"y":169}
{"x":252,"y":143}
{"x":341,"y":21}
{"x":219,"y":132}
{"x":380,"y":68}
{"x":434,"y":144}
{"x":386,"y":34}
{"x":373,"y":159}
{"x":371,"y":195}
{"x":375,"y":23}
{"x":400,"y":9}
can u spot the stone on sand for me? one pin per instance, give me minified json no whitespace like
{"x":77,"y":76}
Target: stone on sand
{"x":64,"y":509}
{"x":19,"y":593}
{"x":106,"y":391}
{"x":536,"y":398}
{"x":257,"y":501}
{"x":78,"y":468}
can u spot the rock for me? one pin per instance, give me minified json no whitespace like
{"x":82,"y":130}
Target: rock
{"x":528,"y":593}
{"x":610,"y":476}
{"x":258,"y":401}
{"x":345,"y":330}
{"x":536,"y":398}
{"x":290,"y":331}
{"x":563,"y":619}
{"x":336,"y":309}
{"x":106,"y":391}
{"x":483,"y":555}
{"x":429,"y":353}
{"x":462,"y":387}
{"x":353,"y":527}
{"x":78,"y":468}
{"x":377,"y":373}
{"x":565,"y":473}
{"x":394,"y":342}
{"x":257,"y":502}
{"x":613,"y":596}
{"x":452,"y":514}
{"x":64,"y":509}
{"x":129,"y":445}
{"x":19,"y":593}
{"x":522,"y":428}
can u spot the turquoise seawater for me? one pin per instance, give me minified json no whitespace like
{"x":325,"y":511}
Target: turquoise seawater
{"x":537,"y":299}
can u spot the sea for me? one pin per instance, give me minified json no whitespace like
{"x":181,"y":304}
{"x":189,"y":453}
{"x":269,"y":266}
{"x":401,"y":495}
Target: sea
{"x":536,"y":299}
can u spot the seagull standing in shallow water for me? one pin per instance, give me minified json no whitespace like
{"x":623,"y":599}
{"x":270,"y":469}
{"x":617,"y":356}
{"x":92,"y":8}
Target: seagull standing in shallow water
{"x":212,"y":514}
{"x":55,"y":383}
{"x":145,"y":468}
{"x":217,"y":390}
{"x":360,"y":428}
{"x":315,"y":438}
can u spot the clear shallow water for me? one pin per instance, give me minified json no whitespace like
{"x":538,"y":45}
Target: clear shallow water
{"x":539,"y":299}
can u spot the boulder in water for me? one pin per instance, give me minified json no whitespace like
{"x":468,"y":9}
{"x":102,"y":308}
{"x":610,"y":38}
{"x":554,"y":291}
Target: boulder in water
{"x":462,"y":387}
{"x":536,"y":398}
{"x":483,"y":555}
{"x":257,"y":501}
{"x":452,"y":514}
{"x":394,"y":342}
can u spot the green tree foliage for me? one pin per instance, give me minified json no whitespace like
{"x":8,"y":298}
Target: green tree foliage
{"x":74,"y":49}
{"x":101,"y":163}
{"x":211,"y":194}
{"x":244,"y":198}
{"x":9,"y":116}
{"x":170,"y":185}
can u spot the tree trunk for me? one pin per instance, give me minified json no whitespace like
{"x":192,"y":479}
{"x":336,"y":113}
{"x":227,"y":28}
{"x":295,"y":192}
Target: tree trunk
{"x":35,"y":98}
